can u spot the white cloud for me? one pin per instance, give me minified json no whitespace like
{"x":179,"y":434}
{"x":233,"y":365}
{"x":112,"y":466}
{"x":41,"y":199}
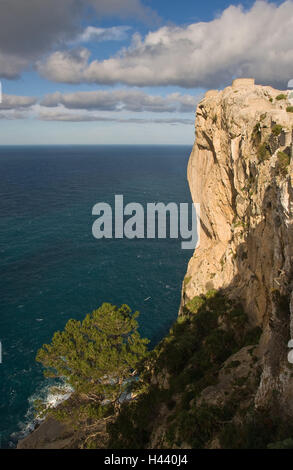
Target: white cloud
{"x":13,"y":102}
{"x":117,"y":100}
{"x":121,"y":106}
{"x":65,"y":66}
{"x":65,"y":116}
{"x":11,"y":66}
{"x":31,"y":28}
{"x":116,"y":33}
{"x":12,"y":115}
{"x":256,"y":43}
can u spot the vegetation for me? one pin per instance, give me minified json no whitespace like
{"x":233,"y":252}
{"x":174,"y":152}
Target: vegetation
{"x":187,"y":280}
{"x":286,"y":444}
{"x":289,"y":109}
{"x":100,"y":355}
{"x":257,"y":431}
{"x":280,"y":97}
{"x":194,"y":304}
{"x":283,"y":161}
{"x":256,"y":134}
{"x":263,"y":152}
{"x":211,"y":329}
{"x":97,"y":356}
{"x":277,"y":129}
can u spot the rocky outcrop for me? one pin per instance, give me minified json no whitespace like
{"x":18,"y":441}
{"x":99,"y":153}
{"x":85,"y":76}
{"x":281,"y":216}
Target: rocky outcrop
{"x":51,"y":434}
{"x":241,"y":171}
{"x":56,"y":433}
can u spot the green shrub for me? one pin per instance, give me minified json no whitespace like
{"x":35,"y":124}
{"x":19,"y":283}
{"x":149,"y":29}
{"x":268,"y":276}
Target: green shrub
{"x":256,"y":432}
{"x":286,"y":444}
{"x":253,"y":336}
{"x":220,"y":345}
{"x":237,"y":317}
{"x":277,"y":129}
{"x":256,"y":134}
{"x":199,"y":426}
{"x":289,"y":109}
{"x":211,"y":294}
{"x":263,"y":152}
{"x":283,"y":161}
{"x":233,"y":365}
{"x":186,"y":399}
{"x":105,"y":344}
{"x":280,"y":97}
{"x":194,"y":305}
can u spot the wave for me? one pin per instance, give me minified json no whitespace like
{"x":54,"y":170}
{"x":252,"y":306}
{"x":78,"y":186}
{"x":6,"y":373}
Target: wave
{"x":50,"y":395}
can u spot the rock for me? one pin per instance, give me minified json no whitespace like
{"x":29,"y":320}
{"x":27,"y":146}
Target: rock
{"x":51,"y":434}
{"x":243,"y":82}
{"x":246,"y":218}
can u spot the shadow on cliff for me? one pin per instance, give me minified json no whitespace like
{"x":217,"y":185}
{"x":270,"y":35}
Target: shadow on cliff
{"x":263,"y":284}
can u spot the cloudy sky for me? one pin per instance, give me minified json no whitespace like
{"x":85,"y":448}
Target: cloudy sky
{"x":130,"y":71}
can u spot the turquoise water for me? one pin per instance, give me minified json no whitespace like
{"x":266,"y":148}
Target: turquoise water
{"x":52,"y":268}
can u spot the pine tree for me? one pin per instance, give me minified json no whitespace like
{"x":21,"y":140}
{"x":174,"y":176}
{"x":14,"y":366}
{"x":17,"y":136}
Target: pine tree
{"x":97,"y":356}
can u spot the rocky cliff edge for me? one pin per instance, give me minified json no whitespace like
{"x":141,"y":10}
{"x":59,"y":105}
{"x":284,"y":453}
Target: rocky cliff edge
{"x":240,"y":171}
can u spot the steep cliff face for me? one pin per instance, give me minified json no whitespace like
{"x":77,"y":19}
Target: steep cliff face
{"x":221,"y":378}
{"x":241,"y":171}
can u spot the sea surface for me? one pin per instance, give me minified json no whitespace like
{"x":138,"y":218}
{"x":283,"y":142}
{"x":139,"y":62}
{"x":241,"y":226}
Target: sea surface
{"x":53,"y":269}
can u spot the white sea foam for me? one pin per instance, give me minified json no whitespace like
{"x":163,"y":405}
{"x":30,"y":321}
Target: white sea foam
{"x":50,"y":395}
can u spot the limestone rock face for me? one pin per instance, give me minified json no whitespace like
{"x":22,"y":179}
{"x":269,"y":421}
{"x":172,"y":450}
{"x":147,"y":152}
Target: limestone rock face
{"x":240,"y":171}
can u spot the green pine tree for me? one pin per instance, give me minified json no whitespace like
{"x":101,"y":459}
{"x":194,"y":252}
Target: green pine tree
{"x":97,"y":356}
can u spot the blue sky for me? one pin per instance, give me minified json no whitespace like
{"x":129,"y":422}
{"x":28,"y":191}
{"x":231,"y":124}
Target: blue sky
{"x":130,"y":71}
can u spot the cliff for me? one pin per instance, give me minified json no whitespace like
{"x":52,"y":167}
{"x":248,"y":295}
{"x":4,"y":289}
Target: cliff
{"x":221,"y":378}
{"x":241,"y":171}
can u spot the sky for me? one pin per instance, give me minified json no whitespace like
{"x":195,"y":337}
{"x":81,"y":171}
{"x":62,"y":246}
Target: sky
{"x":130,"y":71}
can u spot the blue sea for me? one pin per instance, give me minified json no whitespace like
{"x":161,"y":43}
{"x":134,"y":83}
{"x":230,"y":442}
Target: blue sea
{"x":53,"y":269}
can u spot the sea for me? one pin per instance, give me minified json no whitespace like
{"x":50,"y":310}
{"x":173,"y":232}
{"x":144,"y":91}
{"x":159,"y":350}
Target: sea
{"x":53,"y":269}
